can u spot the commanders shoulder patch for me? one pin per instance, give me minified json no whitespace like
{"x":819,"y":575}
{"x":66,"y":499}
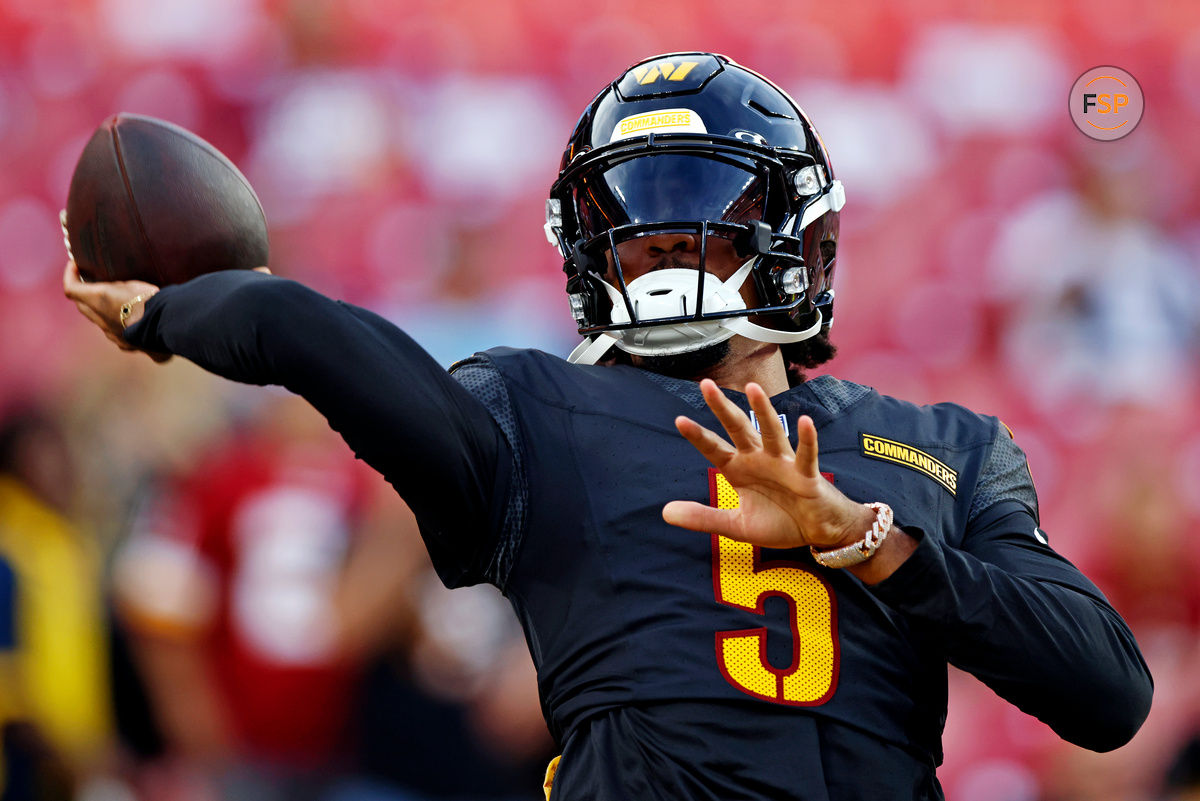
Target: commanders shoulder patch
{"x":913,"y":458}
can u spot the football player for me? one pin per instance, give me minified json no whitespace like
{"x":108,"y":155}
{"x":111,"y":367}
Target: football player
{"x":797,"y":646}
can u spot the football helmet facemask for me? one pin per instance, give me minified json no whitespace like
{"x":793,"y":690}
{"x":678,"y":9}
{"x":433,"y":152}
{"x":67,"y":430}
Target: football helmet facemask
{"x":693,"y":143}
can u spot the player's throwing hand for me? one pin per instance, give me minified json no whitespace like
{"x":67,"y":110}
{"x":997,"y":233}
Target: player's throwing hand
{"x":784,"y":500}
{"x":109,"y":304}
{"x":113,"y":306}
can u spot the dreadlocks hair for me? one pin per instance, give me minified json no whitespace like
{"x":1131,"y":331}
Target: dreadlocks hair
{"x":807,"y":354}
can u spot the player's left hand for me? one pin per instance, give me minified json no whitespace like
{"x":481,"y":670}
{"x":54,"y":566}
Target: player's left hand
{"x":785,"y":502}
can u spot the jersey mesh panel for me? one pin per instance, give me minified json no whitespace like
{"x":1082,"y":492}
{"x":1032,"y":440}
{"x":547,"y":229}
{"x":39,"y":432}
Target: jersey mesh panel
{"x":1004,"y":476}
{"x":480,"y":377}
{"x":836,"y":395}
{"x":687,"y":391}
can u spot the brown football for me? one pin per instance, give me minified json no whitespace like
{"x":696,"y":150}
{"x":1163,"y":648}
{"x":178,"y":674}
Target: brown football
{"x":152,"y":201}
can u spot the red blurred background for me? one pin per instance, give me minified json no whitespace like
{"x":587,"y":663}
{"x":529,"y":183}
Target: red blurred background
{"x":992,"y":254}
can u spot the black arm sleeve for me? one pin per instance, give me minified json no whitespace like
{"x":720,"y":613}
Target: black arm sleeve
{"x":1028,"y":624}
{"x":396,"y":407}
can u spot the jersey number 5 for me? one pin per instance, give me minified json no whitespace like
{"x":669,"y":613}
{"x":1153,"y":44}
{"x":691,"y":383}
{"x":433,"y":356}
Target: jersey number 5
{"x":742,"y":580}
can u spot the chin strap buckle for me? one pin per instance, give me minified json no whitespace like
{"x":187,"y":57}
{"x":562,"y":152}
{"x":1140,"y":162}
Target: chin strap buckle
{"x":590,"y":351}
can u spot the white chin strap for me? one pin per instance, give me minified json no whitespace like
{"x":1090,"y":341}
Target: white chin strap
{"x":672,"y":293}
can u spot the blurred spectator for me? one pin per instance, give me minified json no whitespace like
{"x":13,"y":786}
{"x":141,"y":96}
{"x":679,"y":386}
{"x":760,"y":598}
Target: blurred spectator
{"x":1104,"y":305}
{"x":247,"y":619}
{"x":260,"y":583}
{"x":1183,"y":777}
{"x":54,"y":686}
{"x":1147,"y":570}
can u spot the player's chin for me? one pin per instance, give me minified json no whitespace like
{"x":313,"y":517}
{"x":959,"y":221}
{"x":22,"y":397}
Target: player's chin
{"x":691,"y":365}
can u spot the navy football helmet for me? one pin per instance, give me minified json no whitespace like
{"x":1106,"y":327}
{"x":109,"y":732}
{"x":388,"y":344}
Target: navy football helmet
{"x":693,"y":143}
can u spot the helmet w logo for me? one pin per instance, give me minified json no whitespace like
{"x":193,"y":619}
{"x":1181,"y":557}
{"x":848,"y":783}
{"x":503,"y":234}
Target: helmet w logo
{"x":663,"y":69}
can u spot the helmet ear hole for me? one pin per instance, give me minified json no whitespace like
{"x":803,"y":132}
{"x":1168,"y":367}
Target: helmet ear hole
{"x":584,"y":263}
{"x":828,"y":251}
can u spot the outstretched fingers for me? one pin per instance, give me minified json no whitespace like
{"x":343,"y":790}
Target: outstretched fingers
{"x":770,"y":429}
{"x":769,"y":435}
{"x":710,"y":445}
{"x":806,"y":447}
{"x":735,"y":422}
{"x":699,"y":517}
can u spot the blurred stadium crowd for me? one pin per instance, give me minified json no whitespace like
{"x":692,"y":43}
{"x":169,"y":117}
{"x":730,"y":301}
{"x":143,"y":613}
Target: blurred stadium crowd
{"x":204,"y":597}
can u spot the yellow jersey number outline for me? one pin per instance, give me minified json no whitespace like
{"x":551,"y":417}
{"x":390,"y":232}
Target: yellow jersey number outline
{"x":742,"y":580}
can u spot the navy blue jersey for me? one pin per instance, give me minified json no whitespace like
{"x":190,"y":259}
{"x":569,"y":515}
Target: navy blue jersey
{"x":674,"y":664}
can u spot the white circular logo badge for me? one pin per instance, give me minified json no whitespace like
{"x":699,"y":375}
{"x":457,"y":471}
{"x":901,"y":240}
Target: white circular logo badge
{"x":1106,"y":103}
